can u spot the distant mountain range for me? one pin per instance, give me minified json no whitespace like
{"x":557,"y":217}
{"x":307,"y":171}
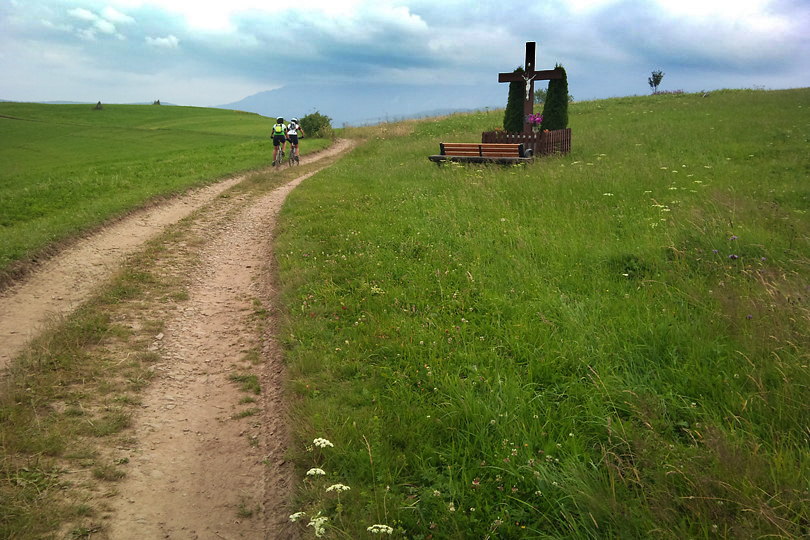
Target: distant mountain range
{"x":363,"y":104}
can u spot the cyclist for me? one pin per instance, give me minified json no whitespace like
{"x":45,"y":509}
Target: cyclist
{"x":279,"y":139}
{"x":293,"y":128}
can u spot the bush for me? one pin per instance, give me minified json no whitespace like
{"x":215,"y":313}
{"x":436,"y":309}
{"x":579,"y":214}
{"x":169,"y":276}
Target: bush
{"x":555,"y":109}
{"x":513,"y":117}
{"x":317,"y":125}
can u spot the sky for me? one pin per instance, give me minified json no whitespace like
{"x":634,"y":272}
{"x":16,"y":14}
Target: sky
{"x":207,"y":53}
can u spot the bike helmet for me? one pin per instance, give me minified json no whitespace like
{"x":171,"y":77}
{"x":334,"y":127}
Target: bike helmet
{"x":294,"y":120}
{"x":280,"y":120}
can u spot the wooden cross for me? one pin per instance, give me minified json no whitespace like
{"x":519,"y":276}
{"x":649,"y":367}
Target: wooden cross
{"x":529,"y":76}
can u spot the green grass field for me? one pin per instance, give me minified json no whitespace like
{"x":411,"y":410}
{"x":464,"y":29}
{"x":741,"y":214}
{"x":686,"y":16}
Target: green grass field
{"x":69,"y":168}
{"x":610,"y":344}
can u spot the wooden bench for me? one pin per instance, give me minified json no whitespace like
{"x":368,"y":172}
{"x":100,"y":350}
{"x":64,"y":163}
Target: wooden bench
{"x":482,"y":153}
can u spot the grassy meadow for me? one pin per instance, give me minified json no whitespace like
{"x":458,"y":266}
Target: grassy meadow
{"x":69,"y":168}
{"x":609,"y":344}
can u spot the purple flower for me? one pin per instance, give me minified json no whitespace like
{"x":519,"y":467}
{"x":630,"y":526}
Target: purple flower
{"x":733,"y":257}
{"x":715,"y":251}
{"x":733,"y":237}
{"x":749,"y":317}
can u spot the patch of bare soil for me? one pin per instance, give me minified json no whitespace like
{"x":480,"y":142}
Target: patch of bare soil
{"x":207,"y":458}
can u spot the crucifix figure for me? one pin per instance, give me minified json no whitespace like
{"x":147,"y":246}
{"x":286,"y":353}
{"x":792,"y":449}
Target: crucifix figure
{"x":529,"y":76}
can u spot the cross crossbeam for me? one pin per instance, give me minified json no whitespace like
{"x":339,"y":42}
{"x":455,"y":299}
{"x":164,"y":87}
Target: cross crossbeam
{"x":528,"y":76}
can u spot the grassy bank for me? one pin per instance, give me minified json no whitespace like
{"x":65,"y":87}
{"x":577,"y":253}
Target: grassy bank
{"x":610,"y":344}
{"x":69,"y":168}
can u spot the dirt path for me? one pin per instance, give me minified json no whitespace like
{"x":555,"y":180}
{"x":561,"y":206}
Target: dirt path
{"x":203,"y":463}
{"x":64,"y":282}
{"x":196,"y":469}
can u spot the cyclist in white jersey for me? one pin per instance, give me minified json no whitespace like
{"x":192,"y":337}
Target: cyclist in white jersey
{"x":293,"y":129}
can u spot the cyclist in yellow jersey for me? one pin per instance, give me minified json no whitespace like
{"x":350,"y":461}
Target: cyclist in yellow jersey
{"x":279,"y":134}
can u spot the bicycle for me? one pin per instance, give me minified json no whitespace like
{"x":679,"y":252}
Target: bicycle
{"x":294,"y":159}
{"x":279,"y":159}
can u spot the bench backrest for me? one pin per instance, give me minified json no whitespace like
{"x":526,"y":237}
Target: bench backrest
{"x":482,"y":149}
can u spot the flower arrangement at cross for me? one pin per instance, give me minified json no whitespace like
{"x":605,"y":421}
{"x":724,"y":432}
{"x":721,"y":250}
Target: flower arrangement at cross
{"x":535,"y":119}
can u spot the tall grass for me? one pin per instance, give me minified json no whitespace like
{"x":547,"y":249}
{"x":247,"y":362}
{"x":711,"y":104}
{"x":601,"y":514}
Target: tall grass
{"x":69,"y":168}
{"x":610,"y":344}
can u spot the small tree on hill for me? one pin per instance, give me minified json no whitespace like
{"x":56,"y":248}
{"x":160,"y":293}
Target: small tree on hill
{"x":317,"y":125}
{"x":540,"y":95}
{"x":655,"y":80}
{"x":513,"y":117}
{"x":555,"y":108}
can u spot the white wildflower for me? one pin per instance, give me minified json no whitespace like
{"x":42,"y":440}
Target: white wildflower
{"x":322,"y":443}
{"x":377,"y":290}
{"x":296,"y":516}
{"x":338,"y":488}
{"x":380,"y":529}
{"x":319,"y":524}
{"x":316,"y":472}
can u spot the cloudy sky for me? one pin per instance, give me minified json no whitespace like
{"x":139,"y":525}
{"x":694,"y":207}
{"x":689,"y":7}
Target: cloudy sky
{"x":203,"y":53}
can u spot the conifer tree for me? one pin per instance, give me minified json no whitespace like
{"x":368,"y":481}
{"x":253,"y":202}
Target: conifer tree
{"x":513,"y":117}
{"x":555,"y":109}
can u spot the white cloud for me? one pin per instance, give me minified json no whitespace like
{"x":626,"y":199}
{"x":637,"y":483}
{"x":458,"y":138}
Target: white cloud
{"x":366,"y":26}
{"x":104,"y":26}
{"x":113,"y":15}
{"x":100,"y":24}
{"x":83,"y":14}
{"x":168,"y":42}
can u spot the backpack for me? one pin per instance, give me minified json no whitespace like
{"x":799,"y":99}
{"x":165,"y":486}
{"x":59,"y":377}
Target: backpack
{"x":278,"y":129}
